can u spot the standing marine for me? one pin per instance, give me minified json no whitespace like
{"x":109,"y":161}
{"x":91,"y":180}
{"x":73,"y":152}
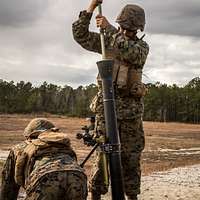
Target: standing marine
{"x":45,"y":165}
{"x":129,"y":54}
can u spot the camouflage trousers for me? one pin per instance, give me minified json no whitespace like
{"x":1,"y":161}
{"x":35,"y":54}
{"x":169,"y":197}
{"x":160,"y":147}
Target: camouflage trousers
{"x":66,"y":185}
{"x":132,"y":143}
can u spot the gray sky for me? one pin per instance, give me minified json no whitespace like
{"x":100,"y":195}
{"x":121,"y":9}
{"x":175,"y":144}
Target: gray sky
{"x":36,"y":42}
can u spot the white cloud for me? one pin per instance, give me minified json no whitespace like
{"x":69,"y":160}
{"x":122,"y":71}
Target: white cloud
{"x":173,"y":59}
{"x":37,"y":43}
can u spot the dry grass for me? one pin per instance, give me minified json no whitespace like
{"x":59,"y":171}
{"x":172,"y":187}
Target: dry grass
{"x":159,"y":136}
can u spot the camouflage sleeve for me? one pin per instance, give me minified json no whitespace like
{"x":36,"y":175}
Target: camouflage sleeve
{"x":9,"y":189}
{"x":110,"y":31}
{"x":80,"y":29}
{"x":133,"y":52}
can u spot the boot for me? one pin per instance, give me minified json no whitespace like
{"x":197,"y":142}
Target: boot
{"x":132,"y":197}
{"x":95,"y":196}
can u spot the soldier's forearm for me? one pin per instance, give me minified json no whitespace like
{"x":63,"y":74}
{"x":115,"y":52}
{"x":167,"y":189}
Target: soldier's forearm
{"x":90,"y":9}
{"x":93,"y":4}
{"x":82,"y":35}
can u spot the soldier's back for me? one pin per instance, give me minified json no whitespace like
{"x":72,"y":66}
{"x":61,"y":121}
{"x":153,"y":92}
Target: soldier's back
{"x":51,"y":170}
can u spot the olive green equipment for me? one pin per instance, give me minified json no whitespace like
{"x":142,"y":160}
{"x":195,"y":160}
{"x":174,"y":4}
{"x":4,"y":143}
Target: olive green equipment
{"x":109,"y":143}
{"x":112,"y":146}
{"x":96,"y":142}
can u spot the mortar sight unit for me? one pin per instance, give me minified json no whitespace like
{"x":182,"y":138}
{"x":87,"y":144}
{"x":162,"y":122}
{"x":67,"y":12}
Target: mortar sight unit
{"x":87,"y":135}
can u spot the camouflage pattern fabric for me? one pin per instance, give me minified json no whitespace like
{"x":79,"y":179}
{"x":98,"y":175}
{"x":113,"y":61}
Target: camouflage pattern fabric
{"x":9,"y":188}
{"x":48,"y":159}
{"x":35,"y":125}
{"x":132,"y":17}
{"x":128,"y":54}
{"x":129,"y":113}
{"x":132,"y":141}
{"x":96,"y":182}
{"x":66,"y":185}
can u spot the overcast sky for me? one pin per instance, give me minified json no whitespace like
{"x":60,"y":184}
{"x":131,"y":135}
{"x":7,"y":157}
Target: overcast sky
{"x":36,"y":42}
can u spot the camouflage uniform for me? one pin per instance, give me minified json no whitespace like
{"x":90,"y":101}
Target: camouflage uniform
{"x":45,"y":165}
{"x":129,"y":56}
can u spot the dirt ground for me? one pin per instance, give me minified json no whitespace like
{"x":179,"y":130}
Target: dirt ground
{"x":169,"y":146}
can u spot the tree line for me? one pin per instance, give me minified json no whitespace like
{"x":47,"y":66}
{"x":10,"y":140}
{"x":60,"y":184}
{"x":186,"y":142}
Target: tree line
{"x":25,"y":98}
{"x":163,"y":102}
{"x":172,"y":103}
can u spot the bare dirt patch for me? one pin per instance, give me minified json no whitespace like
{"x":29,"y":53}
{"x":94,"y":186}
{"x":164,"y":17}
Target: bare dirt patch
{"x":168,"y":145}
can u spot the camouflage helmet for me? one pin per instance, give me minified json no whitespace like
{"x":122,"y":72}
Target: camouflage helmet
{"x":132,"y":17}
{"x":36,"y":125}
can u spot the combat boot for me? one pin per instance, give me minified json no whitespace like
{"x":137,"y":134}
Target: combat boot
{"x":132,"y":197}
{"x":95,"y":196}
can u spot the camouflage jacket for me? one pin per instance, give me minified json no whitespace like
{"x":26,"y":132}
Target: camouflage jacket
{"x":129,"y":57}
{"x":31,"y":160}
{"x":124,"y":51}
